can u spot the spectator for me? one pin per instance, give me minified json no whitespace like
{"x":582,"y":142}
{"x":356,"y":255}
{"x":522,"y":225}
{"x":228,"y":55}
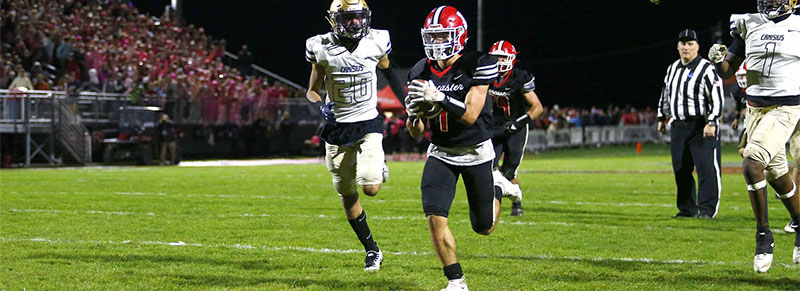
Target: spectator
{"x":245,"y":61}
{"x":168,"y":140}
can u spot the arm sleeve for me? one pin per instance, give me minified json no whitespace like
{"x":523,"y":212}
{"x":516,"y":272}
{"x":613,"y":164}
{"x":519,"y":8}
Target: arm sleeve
{"x":737,"y":46}
{"x":395,"y":83}
{"x":485,"y":71}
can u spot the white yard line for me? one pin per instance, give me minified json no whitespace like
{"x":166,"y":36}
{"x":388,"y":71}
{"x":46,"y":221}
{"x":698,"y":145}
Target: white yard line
{"x":339,"y":217}
{"x":395,"y":253}
{"x":250,"y":163}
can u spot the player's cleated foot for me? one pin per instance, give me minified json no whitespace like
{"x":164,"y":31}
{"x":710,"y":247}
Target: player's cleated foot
{"x":510,"y":190}
{"x":796,"y":252}
{"x":372,"y":263}
{"x":796,"y":255}
{"x":457,"y":284}
{"x":385,"y":172}
{"x":516,"y":209}
{"x":789,"y":228}
{"x":763,"y":259}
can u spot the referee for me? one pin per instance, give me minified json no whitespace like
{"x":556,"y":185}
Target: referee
{"x":692,"y":101}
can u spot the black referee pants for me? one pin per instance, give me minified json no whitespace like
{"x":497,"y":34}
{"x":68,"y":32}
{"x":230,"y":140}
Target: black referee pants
{"x":691,"y":150}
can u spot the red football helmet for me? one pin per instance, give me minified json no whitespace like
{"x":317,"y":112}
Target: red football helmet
{"x":444,"y":33}
{"x":504,"y":49}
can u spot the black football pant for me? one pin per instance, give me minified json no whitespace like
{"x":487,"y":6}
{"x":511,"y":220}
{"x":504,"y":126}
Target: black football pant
{"x":512,"y":149}
{"x":439,"y":189}
{"x":691,"y":150}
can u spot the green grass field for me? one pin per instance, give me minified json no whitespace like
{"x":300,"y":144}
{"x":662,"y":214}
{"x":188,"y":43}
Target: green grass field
{"x":282,"y":227}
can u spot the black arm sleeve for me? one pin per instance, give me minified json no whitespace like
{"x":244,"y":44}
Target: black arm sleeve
{"x":395,"y":83}
{"x":737,"y":46}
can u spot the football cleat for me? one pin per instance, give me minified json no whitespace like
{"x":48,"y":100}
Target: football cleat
{"x":789,"y":228}
{"x":764,"y":245}
{"x":385,"y":172}
{"x":510,"y":190}
{"x":796,"y":255}
{"x":372,"y":263}
{"x":457,"y":284}
{"x":516,"y":209}
{"x":796,"y":252}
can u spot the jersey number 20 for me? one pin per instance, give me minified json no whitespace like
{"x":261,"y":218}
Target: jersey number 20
{"x":353,"y":88}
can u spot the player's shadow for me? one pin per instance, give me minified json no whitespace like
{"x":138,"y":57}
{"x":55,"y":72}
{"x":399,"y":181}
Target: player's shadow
{"x":291,"y":277}
{"x":298,"y":281}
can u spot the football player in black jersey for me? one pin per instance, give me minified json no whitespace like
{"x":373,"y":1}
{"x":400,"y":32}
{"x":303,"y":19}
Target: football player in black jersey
{"x":449,"y":90}
{"x":515,"y":105}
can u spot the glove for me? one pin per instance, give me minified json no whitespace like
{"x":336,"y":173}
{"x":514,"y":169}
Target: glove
{"x":512,"y":127}
{"x":717,"y":52}
{"x":326,"y":111}
{"x":411,"y":107}
{"x":425,"y":90}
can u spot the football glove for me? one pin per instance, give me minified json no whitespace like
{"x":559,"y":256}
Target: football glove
{"x":717,"y":52}
{"x":425,"y":90}
{"x":326,"y":111}
{"x":411,"y":106}
{"x":512,"y":127}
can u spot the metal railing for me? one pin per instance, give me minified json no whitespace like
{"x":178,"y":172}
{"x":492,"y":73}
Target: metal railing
{"x":44,"y":118}
{"x":540,"y":139}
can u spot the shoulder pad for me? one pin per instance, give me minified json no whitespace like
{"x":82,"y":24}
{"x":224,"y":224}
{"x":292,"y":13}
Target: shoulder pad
{"x":416,"y":71}
{"x":382,"y":39}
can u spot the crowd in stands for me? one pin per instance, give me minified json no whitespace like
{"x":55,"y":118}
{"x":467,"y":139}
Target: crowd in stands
{"x":108,"y":46}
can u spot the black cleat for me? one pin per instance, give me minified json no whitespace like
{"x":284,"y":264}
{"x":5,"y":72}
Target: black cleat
{"x":372,"y":263}
{"x":516,"y":209}
{"x":764,"y":244}
{"x":682,"y":214}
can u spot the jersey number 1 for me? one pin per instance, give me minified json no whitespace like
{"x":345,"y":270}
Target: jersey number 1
{"x":770,"y":47}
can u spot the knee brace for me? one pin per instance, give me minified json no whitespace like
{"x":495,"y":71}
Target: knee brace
{"x":757,"y":186}
{"x":787,"y":195}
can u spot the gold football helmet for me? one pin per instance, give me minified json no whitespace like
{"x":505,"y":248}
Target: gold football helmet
{"x":776,"y":8}
{"x":349,"y":18}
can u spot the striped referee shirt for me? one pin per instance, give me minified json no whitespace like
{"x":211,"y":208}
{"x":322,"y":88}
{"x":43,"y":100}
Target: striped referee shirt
{"x":691,"y":91}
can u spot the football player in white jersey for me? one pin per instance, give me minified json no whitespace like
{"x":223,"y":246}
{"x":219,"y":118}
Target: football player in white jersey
{"x":769,"y":42}
{"x":346,"y":60}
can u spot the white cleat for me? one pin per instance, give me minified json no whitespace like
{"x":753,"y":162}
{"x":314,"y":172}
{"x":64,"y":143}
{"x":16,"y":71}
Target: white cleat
{"x":372,"y":263}
{"x":457,"y":284}
{"x":796,"y":255}
{"x":789,"y":228}
{"x":762,"y":262}
{"x":510,"y":190}
{"x":385,"y":172}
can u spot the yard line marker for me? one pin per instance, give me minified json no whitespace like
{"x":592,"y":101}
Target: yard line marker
{"x":397,"y":253}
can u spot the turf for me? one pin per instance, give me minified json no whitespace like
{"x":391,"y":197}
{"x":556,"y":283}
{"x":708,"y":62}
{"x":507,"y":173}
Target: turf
{"x":595,"y":219}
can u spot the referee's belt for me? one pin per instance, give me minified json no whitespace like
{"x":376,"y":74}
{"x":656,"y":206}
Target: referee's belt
{"x":693,"y":119}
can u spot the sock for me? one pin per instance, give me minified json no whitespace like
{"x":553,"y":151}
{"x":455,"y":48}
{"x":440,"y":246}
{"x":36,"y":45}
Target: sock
{"x":453,"y":272}
{"x":361,"y":228}
{"x":498,"y":194}
{"x":764,"y":229}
